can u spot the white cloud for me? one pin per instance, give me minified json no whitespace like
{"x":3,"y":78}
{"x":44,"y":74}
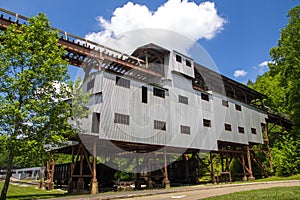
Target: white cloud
{"x":175,"y":16}
{"x":264,"y":64}
{"x":239,"y":73}
{"x":263,"y":67}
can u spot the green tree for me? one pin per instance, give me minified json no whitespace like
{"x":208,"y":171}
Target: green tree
{"x":33,"y":86}
{"x":286,"y":58}
{"x":282,"y":85}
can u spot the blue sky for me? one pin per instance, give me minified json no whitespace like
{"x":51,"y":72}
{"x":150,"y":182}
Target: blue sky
{"x":239,"y":41}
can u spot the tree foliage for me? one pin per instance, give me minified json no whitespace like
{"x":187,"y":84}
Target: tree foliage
{"x":282,"y":85}
{"x":33,"y":88}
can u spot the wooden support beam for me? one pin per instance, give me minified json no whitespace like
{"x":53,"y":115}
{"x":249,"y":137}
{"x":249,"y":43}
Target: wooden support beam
{"x":222,"y":161}
{"x":166,"y":179}
{"x":251,"y":177}
{"x":212,"y":173}
{"x":201,"y":161}
{"x":244,"y":168}
{"x":268,"y":146}
{"x":149,"y":180}
{"x":255,"y":159}
{"x":227,"y":163}
{"x":94,"y":184}
{"x":86,"y":156}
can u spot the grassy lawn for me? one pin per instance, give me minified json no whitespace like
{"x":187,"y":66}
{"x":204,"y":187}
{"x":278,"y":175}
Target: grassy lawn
{"x":277,"y":193}
{"x":276,"y":178}
{"x":30,"y":192}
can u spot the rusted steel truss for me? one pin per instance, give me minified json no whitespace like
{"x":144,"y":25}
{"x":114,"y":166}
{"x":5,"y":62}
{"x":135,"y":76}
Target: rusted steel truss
{"x":90,"y":55}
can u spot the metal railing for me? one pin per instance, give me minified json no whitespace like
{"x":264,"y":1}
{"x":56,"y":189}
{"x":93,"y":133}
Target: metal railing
{"x":20,"y":19}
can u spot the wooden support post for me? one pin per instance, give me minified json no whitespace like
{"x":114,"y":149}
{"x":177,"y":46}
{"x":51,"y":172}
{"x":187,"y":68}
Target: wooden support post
{"x":251,"y":177}
{"x":71,"y":184}
{"x":244,"y":170}
{"x":268,"y":147}
{"x":166,"y":179}
{"x":80,"y":181}
{"x":138,"y":184}
{"x":49,"y":184}
{"x":227,"y":163}
{"x":222,"y":161}
{"x":94,"y":184}
{"x":227,"y":168}
{"x":149,"y":180}
{"x":212,"y":173}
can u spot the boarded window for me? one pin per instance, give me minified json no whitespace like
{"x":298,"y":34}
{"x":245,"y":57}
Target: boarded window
{"x":122,"y":82}
{"x":159,"y":125}
{"x":188,"y":63}
{"x":159,"y":92}
{"x":206,"y":123}
{"x":241,"y":129}
{"x":227,"y":127}
{"x":238,"y":107}
{"x":185,"y":129}
{"x":204,"y":97}
{"x":253,"y":131}
{"x":95,"y":122}
{"x":183,"y":99}
{"x":225,"y":103}
{"x":90,"y":84}
{"x":144,"y":94}
{"x":178,"y":58}
{"x":121,"y":119}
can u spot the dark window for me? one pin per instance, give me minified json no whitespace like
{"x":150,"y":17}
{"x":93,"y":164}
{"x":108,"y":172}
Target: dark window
{"x":238,"y":107}
{"x":95,"y":122}
{"x":206,"y":123}
{"x":144,"y":94}
{"x":98,"y":97}
{"x":183,"y":99}
{"x":159,"y":92}
{"x":188,"y":63}
{"x":90,"y":84}
{"x":185,"y":129}
{"x":227,"y":127}
{"x":204,"y":97}
{"x":241,"y":129}
{"x":159,"y":125}
{"x":121,"y":119}
{"x":253,"y":131}
{"x":122,"y":82}
{"x":225,"y":103}
{"x":178,"y":58}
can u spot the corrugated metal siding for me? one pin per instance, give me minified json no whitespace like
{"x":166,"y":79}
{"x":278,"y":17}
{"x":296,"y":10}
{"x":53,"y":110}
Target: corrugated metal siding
{"x":117,"y":99}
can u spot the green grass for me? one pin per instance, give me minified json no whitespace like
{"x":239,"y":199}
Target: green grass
{"x":30,"y":192}
{"x":277,"y":193}
{"x":272,"y":178}
{"x":277,"y":178}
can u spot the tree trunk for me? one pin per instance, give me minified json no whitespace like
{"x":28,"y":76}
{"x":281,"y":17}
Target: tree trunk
{"x":8,"y":174}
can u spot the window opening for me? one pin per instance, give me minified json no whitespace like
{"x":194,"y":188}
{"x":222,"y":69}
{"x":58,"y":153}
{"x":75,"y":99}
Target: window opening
{"x":185,"y":129}
{"x":121,"y":119}
{"x":95,"y":122}
{"x":159,"y":125}
{"x":159,"y":92}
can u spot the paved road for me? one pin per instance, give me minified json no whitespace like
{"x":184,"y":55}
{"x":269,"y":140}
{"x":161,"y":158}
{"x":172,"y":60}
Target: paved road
{"x":215,"y":191}
{"x":183,"y":193}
